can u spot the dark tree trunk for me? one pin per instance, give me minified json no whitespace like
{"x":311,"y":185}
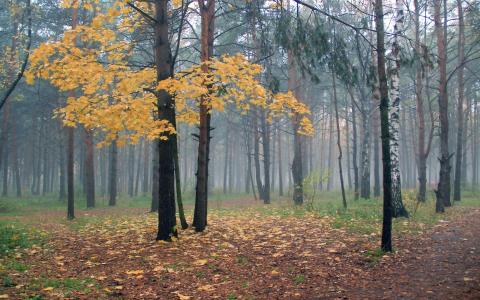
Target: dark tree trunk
{"x":16,"y":168}
{"x":207,"y":12}
{"x":178,"y":185}
{"x":280,"y":169}
{"x":166,"y":111}
{"x":155,"y":176}
{"x":146,"y":167}
{"x":422,"y":154}
{"x":112,"y":174}
{"x":443,"y":188}
{"x":225,"y":166}
{"x":4,"y":148}
{"x":89,"y":170}
{"x":131,"y":169}
{"x":460,"y":111}
{"x":385,"y":129}
{"x":354,"y":148}
{"x":376,"y":157}
{"x":62,"y":168}
{"x":70,"y":161}
{"x":335,"y":100}
{"x":266,"y":157}
{"x":256,"y":155}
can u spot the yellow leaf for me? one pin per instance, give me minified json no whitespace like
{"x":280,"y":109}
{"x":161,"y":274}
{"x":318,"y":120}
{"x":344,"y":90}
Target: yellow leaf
{"x":135,"y":272}
{"x":48,"y":289}
{"x":182,"y":297}
{"x":118,"y":287}
{"x":274,"y":272}
{"x":206,"y":288}
{"x":200,"y":262}
{"x":4,"y":296}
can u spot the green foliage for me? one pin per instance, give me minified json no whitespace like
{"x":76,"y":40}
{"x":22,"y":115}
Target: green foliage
{"x":299,"y":279}
{"x":67,"y":284}
{"x":231,"y":297}
{"x":13,"y":237}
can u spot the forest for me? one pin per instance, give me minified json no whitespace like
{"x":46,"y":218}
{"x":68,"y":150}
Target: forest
{"x":239,"y":149}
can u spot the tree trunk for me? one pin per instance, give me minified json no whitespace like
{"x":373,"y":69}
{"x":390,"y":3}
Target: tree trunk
{"x":131,"y":170}
{"x":335,"y":100}
{"x":89,"y":170}
{"x":297,"y":170}
{"x":354,"y":148}
{"x":266,"y":157}
{"x":178,"y":185}
{"x":155,"y":177}
{"x":166,"y":111}
{"x":225,"y":166}
{"x":376,"y":156}
{"x":460,"y":110}
{"x":146,"y":167}
{"x":70,"y":162}
{"x":207,"y":12}
{"x":394,"y":118}
{"x":443,"y":188}
{"x":256,"y":155}
{"x":385,"y":128}
{"x":422,"y":154}
{"x":16,"y":168}
{"x":4,"y":148}
{"x":280,"y":170}
{"x":112,"y":177}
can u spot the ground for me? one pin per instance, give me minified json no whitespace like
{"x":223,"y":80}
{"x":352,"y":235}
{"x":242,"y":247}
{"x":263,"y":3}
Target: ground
{"x":248,"y":252}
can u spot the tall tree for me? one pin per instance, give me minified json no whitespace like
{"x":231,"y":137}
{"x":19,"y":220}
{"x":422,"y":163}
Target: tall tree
{"x":398,"y":208}
{"x":385,"y":130}
{"x":460,"y":109}
{"x":443,"y":188}
{"x":207,"y":13}
{"x":166,"y":111}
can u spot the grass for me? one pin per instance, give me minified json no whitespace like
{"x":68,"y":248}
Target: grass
{"x":14,"y":236}
{"x":64,"y":284}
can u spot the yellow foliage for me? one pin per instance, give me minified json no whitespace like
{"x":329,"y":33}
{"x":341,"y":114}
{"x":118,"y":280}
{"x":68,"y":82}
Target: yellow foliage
{"x":109,"y":96}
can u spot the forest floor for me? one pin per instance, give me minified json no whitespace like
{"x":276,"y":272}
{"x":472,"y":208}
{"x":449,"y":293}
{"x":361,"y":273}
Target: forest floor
{"x":247,"y":252}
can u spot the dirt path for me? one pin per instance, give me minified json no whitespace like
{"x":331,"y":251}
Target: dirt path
{"x":443,"y":265}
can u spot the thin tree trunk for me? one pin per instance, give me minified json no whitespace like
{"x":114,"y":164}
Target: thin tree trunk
{"x":178,"y":185}
{"x":146,"y":167}
{"x":112,"y":177}
{"x":354,"y":148}
{"x":225,"y":166}
{"x":89,"y":170}
{"x":266,"y":157}
{"x":422,"y":154}
{"x":16,"y":167}
{"x":131,"y":169}
{"x":4,"y":148}
{"x":460,"y":110}
{"x":280,"y":170}
{"x":335,"y":100}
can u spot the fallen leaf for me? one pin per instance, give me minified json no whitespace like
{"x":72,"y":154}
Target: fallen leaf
{"x":200,"y":262}
{"x":47,"y":289}
{"x":135,"y":272}
{"x":4,"y":296}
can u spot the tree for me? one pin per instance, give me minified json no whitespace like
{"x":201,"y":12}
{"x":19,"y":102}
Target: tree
{"x":460,"y":109}
{"x":385,"y":130}
{"x":443,"y":187}
{"x":398,"y":208}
